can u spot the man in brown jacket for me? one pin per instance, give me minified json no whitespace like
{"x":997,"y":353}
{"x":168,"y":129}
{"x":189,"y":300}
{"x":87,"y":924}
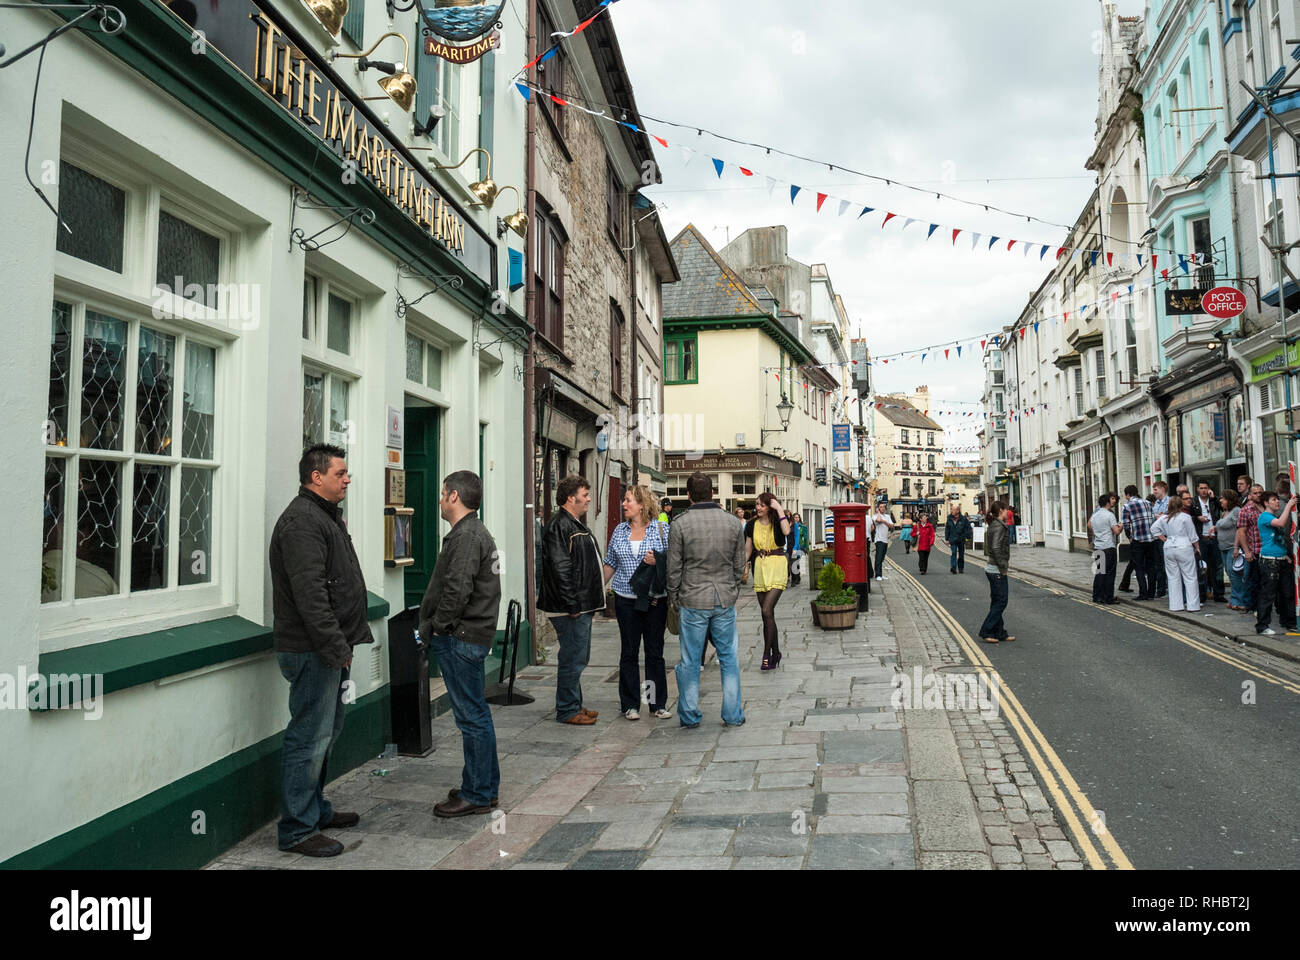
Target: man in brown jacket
{"x":458,"y":618}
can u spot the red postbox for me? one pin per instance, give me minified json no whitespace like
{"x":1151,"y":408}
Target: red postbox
{"x":852,"y":540}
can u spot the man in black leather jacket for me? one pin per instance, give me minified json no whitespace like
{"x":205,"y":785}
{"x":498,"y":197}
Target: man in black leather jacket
{"x":572,"y":589}
{"x":956,"y":530}
{"x":319,"y":601}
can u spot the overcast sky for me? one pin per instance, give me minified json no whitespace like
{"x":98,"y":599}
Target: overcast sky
{"x":995,"y":103}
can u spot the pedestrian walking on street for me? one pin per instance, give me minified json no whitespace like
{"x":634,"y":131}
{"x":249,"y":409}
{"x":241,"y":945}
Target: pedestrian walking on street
{"x":706,"y":560}
{"x":1207,"y":512}
{"x":458,"y":618}
{"x":636,"y":560}
{"x":881,"y":524}
{"x":571,"y":591}
{"x":765,"y":539}
{"x":906,"y":536}
{"x":956,"y":530}
{"x":318,"y":597}
{"x":1105,"y":527}
{"x":1225,"y":530}
{"x":997,"y":547}
{"x":1276,"y":575}
{"x":1182,"y":543}
{"x":1248,"y":545}
{"x":1136,"y":518}
{"x":924,"y":542}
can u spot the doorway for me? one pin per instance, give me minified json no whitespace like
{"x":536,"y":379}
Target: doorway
{"x":423,"y":490}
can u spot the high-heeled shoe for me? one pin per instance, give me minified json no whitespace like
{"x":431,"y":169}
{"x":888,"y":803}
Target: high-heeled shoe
{"x":767,"y":662}
{"x":776,"y":660}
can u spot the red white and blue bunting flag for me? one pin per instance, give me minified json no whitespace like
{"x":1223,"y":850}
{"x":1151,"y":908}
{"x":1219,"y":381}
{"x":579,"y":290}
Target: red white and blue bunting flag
{"x":1131,"y":261}
{"x":564,"y":35}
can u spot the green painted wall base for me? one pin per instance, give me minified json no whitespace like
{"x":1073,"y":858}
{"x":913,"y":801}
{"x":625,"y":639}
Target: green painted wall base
{"x":238,"y":795}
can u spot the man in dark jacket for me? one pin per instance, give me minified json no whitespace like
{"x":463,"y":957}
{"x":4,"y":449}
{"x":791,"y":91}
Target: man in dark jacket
{"x":572,"y":589}
{"x":955,"y":531}
{"x":319,"y":602}
{"x":458,"y":618}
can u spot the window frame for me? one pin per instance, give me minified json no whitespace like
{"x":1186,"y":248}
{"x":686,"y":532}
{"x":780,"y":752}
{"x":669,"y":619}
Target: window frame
{"x":615,"y":207}
{"x":550,"y":237}
{"x":69,"y":613}
{"x":550,"y":74}
{"x":671,"y":370}
{"x":617,"y":330}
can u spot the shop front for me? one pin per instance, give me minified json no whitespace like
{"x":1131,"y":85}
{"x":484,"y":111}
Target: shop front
{"x":1275,"y":416}
{"x":247,"y":259}
{"x":738,"y":479}
{"x":1091,"y":475}
{"x":1206,"y":433}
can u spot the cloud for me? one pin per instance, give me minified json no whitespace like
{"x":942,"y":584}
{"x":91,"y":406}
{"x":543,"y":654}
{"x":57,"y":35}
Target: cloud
{"x":994,"y":103}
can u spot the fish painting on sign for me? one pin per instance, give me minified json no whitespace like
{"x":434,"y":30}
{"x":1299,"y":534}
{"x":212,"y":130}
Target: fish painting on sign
{"x":461,"y":20}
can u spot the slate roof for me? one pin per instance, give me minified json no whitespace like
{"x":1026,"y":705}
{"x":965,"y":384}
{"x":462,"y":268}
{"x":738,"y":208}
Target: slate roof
{"x":708,"y":288}
{"x":906,"y":416}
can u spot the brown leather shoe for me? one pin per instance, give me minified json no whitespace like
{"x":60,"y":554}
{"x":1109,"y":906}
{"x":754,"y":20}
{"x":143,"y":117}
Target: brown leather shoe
{"x":580,"y":719}
{"x":454,"y":792}
{"x":457,"y":808}
{"x":341,"y":820}
{"x":317,"y":845}
{"x":591,"y":713}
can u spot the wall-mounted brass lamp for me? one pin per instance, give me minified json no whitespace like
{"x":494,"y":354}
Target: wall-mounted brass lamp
{"x":484,"y":190}
{"x":399,"y":85}
{"x":517,"y":221}
{"x":330,"y":13}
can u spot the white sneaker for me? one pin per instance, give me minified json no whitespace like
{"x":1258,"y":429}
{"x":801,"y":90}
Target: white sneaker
{"x":663,"y":714}
{"x":631,"y":714}
{"x":880,"y":578}
{"x":1268,"y":632}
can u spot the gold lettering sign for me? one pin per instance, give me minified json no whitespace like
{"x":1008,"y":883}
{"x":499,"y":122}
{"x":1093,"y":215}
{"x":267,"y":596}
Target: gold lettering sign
{"x":291,"y":79}
{"x":465,"y":54}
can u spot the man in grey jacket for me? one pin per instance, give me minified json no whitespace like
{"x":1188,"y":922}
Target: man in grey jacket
{"x":706,"y":562}
{"x":319,"y":602}
{"x":458,"y":617}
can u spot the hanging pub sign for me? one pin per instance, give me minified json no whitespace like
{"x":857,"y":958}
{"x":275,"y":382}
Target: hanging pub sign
{"x":1183,"y":303}
{"x":254,"y":37}
{"x":473,"y":28}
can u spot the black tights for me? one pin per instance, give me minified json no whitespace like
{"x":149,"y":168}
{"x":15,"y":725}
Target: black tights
{"x":767,"y":602}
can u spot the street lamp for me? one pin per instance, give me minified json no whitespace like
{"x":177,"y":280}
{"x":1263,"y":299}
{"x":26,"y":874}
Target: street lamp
{"x":784,"y":409}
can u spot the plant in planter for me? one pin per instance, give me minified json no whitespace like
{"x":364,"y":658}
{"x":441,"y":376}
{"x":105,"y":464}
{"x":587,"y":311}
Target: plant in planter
{"x":836,"y":608}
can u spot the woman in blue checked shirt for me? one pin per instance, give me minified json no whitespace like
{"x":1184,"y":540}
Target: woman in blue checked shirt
{"x":635,"y":542}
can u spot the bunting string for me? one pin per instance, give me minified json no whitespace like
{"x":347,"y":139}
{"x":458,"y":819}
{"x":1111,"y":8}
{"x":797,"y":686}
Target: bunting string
{"x":577,"y":102}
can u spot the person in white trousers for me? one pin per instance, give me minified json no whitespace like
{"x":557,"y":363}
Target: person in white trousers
{"x":1182,"y":555}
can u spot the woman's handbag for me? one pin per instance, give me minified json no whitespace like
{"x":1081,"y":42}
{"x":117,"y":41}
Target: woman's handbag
{"x":673,"y":622}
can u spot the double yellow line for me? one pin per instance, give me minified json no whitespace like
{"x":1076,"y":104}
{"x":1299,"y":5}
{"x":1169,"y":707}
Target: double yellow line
{"x":1052,"y":771}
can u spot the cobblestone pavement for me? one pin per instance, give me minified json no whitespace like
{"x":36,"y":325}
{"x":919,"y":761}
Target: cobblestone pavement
{"x":825,"y":773}
{"x":1074,"y":569}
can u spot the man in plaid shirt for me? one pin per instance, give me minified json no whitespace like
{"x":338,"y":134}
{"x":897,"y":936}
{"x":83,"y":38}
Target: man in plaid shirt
{"x":1248,"y":541}
{"x":1137,"y":520}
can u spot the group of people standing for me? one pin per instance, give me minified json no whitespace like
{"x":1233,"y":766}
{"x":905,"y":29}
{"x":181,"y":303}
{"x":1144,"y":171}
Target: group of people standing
{"x":693,"y":564}
{"x":320,"y":606}
{"x":1182,"y":545}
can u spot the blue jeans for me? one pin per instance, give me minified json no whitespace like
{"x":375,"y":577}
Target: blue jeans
{"x":574,"y":635}
{"x":316,"y":710}
{"x":958,"y":558}
{"x":720,"y":623}
{"x":993,"y":625}
{"x":461,"y":665}
{"x":881,"y":548}
{"x":1237,"y":581}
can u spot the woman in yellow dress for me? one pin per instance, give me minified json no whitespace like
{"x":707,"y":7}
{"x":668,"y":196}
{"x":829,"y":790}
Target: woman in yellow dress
{"x":765,"y":545}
